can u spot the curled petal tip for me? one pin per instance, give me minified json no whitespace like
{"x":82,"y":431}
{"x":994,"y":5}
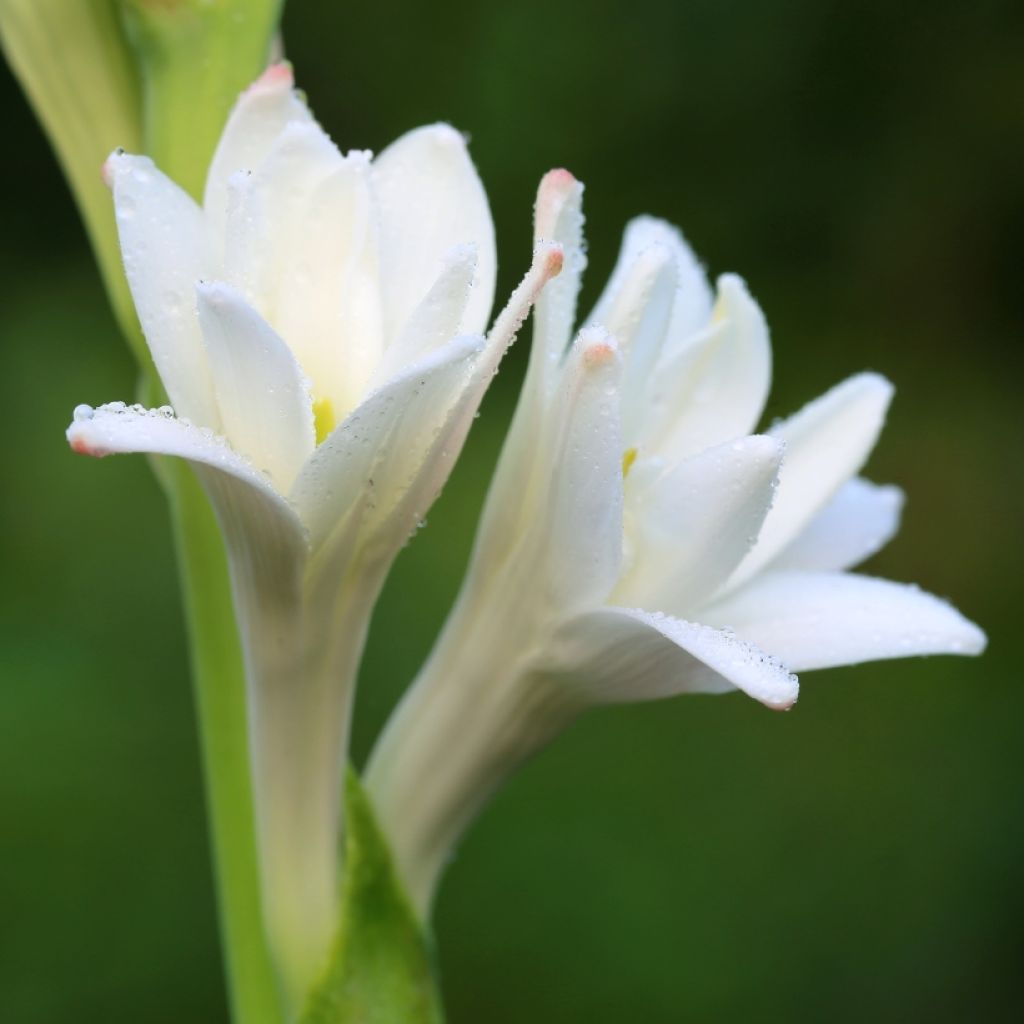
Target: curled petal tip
{"x":277,"y":76}
{"x":597,"y":347}
{"x":555,"y":190}
{"x":550,"y":258}
{"x":447,"y":135}
{"x":599,"y":353}
{"x":78,"y":433}
{"x":558,"y":178}
{"x":108,"y":171}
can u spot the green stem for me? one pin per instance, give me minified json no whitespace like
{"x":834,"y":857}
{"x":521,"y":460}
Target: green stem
{"x":194,"y":58}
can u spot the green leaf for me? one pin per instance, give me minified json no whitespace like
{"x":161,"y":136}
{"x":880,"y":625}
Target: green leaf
{"x":78,"y":72}
{"x":381,"y":970}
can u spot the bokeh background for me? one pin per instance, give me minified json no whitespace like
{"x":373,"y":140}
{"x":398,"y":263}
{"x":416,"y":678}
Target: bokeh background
{"x":858,"y":859}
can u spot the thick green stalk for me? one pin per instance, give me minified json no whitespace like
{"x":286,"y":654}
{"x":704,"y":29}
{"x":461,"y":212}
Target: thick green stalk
{"x":194,"y":58}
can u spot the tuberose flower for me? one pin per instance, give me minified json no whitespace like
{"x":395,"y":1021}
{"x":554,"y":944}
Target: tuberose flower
{"x":316,"y":324}
{"x":638,"y":542}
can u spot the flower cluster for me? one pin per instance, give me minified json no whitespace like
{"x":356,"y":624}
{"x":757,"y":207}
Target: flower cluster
{"x":318,"y":326}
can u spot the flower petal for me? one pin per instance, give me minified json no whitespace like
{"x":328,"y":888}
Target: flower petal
{"x":579,"y":531}
{"x":694,"y":524}
{"x":436,"y":319}
{"x":692,"y":305}
{"x":360,"y":472}
{"x":620,"y":655}
{"x":860,"y":520}
{"x":713,"y":388}
{"x":262,"y":112}
{"x":117,"y":429}
{"x":429,"y":199}
{"x":263,"y":398}
{"x":558,"y":217}
{"x":821,"y":619}
{"x":302,"y":247}
{"x":827,"y":442}
{"x":165,"y":250}
{"x":638,"y":315}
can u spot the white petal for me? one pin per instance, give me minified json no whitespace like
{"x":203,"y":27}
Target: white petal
{"x":712,"y":388}
{"x":429,"y":199}
{"x":558,"y":217}
{"x":244,"y":498}
{"x":263,"y":398}
{"x":302,"y":247}
{"x":860,"y":520}
{"x":436,"y":319}
{"x":360,"y":473}
{"x":380,"y":470}
{"x":619,"y":655}
{"x":439,"y":456}
{"x":579,"y":521}
{"x":638,"y":315}
{"x":694,"y":524}
{"x":693,"y":299}
{"x":165,"y":251}
{"x":827,"y":442}
{"x":262,"y":112}
{"x":821,"y":619}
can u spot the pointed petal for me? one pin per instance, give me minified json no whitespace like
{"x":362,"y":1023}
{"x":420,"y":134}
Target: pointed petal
{"x":694,"y":525}
{"x":620,"y":655}
{"x":827,"y":442}
{"x":251,"y":511}
{"x":164,"y":246}
{"x":580,"y":527}
{"x":693,"y":300}
{"x":358,"y":475}
{"x":558,"y":217}
{"x":436,"y":319}
{"x":263,"y":398}
{"x":821,"y":619}
{"x":429,"y":199}
{"x":713,"y":388}
{"x":262,"y":112}
{"x":301,"y":245}
{"x":860,"y":520}
{"x":638,"y":315}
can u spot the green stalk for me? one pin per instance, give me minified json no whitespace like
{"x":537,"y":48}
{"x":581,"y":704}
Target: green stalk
{"x":194,"y":58}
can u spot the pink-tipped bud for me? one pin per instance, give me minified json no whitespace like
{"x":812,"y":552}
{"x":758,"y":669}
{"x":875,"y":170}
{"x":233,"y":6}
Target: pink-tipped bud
{"x":556,"y":188}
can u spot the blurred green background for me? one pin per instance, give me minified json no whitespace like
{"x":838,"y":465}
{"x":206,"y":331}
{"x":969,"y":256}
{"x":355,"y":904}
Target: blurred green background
{"x":859,"y":859}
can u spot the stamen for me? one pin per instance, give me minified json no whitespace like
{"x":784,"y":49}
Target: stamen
{"x":323,"y":419}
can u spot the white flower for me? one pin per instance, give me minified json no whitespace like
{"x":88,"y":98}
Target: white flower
{"x":637,"y":543}
{"x":316,"y":325}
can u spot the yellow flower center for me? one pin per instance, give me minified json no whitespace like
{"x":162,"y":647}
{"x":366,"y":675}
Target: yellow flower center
{"x":323,"y":418}
{"x":628,"y":458}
